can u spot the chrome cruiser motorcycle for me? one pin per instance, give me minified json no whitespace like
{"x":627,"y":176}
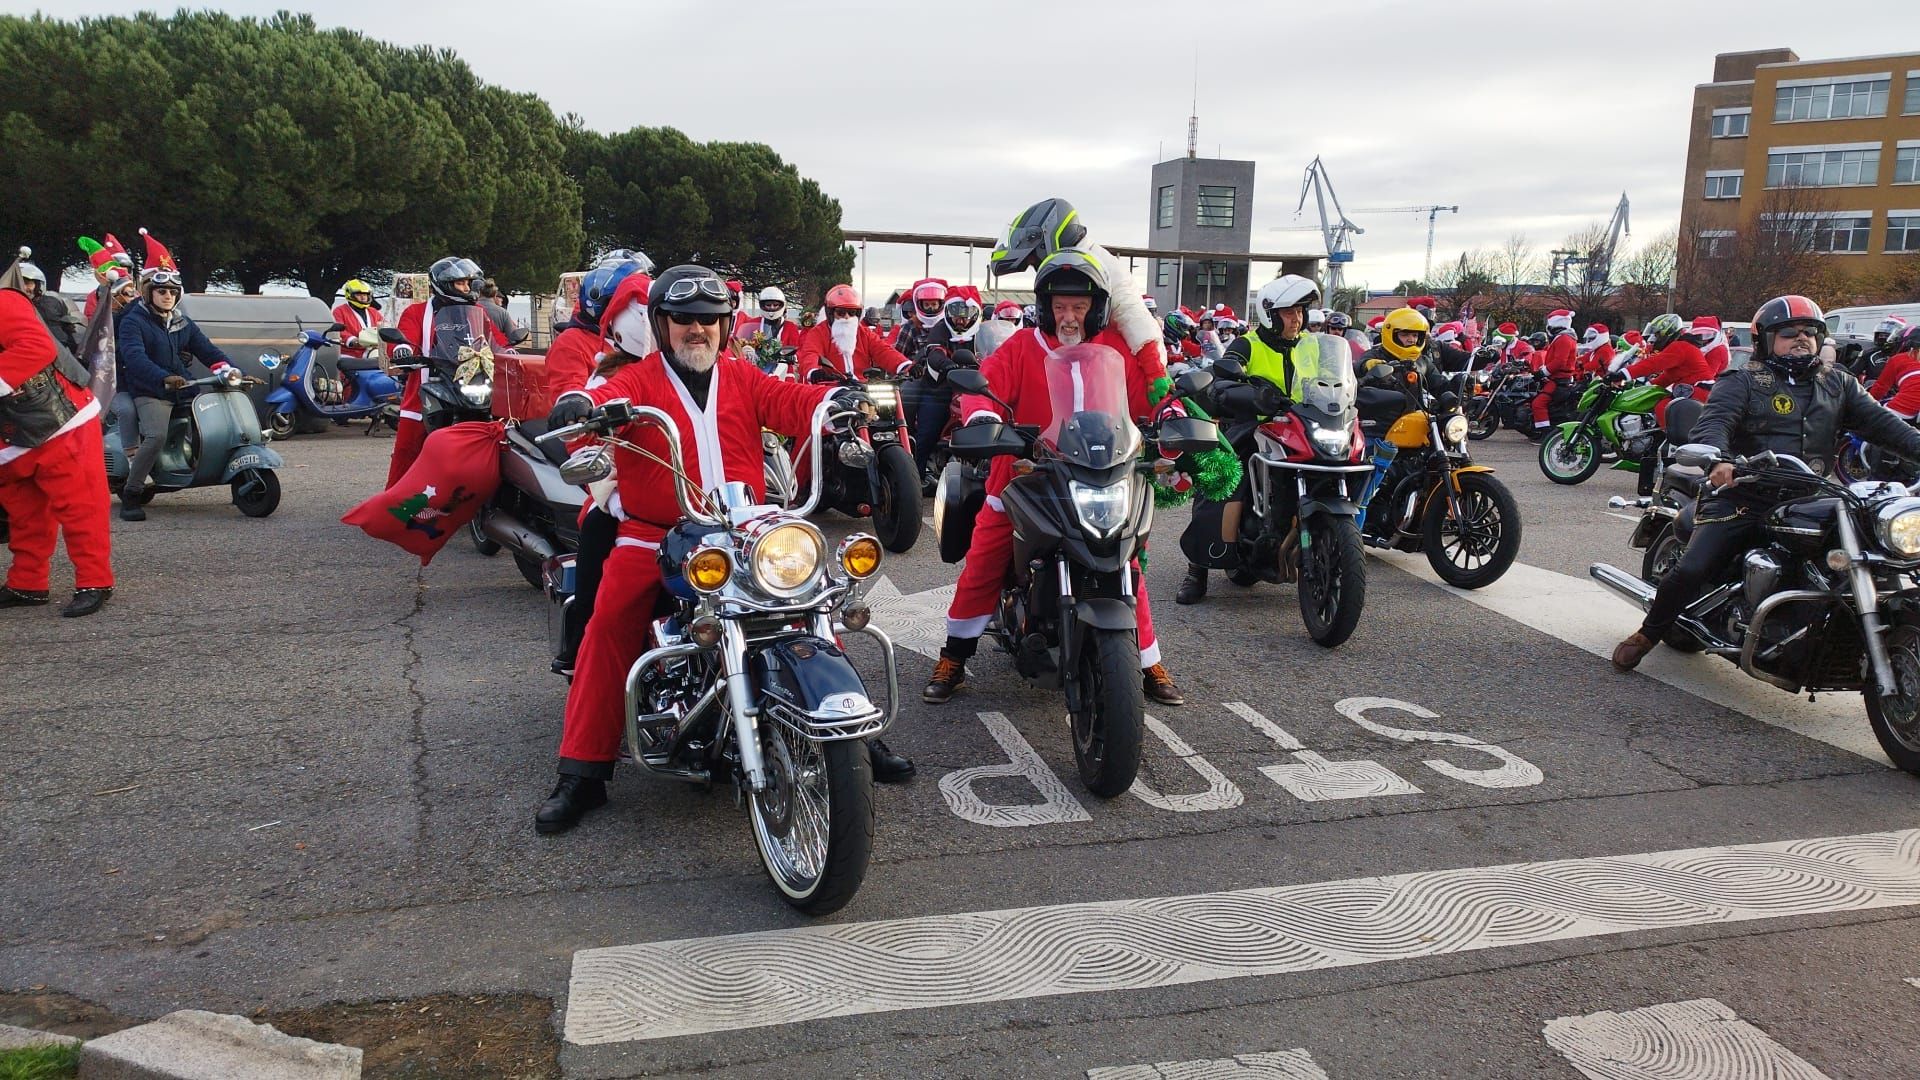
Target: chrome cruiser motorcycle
{"x":747,"y":681}
{"x":1830,"y":600}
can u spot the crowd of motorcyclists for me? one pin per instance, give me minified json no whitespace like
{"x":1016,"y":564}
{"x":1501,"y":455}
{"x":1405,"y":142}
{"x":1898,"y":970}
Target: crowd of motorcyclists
{"x":677,"y":340}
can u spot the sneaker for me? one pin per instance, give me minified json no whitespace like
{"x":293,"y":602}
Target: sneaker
{"x":1158,"y":685}
{"x":948,"y":675}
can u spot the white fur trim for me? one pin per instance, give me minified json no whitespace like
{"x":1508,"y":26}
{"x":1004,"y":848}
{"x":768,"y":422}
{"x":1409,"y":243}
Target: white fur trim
{"x":1125,"y":310}
{"x":409,"y":414}
{"x":634,"y":541}
{"x":994,"y":504}
{"x":1149,"y":656}
{"x":967,"y":628}
{"x":5,"y":388}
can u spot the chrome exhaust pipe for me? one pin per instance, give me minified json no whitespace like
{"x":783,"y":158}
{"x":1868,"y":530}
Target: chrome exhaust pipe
{"x":1623,"y":584}
{"x":510,"y":532}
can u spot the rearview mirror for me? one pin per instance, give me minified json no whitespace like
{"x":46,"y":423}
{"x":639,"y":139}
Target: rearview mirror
{"x":1697,"y":455}
{"x":968,"y":380}
{"x":392,"y":336}
{"x":1231,"y":367}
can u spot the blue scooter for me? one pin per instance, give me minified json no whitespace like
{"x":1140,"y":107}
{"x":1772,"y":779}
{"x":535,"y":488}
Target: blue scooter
{"x":213,"y":438}
{"x":361,"y":390}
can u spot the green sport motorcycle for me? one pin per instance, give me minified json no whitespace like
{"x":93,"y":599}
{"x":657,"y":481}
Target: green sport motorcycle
{"x":1613,"y":418}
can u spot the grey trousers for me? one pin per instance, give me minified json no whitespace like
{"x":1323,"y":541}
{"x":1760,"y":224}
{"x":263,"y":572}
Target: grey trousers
{"x":127,"y":419}
{"x":154,"y":414}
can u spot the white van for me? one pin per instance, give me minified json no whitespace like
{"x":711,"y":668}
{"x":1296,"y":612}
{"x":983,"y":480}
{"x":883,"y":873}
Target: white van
{"x":1857,"y":323}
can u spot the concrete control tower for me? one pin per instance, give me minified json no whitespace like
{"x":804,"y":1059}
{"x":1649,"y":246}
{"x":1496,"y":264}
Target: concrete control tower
{"x":1200,"y":204}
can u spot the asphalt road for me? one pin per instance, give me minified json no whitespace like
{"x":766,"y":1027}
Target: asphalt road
{"x":290,"y":766}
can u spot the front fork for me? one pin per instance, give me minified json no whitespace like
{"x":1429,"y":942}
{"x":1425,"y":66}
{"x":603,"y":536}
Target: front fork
{"x":1868,"y":599}
{"x":740,"y":702}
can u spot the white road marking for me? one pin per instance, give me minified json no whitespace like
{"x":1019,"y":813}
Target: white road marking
{"x":1316,"y":779}
{"x":916,"y":621}
{"x":1912,"y":982}
{"x":668,"y":988}
{"x":1581,"y":613}
{"x":1221,"y":794}
{"x":1513,"y":770}
{"x":1678,"y":1040}
{"x":1276,"y":1065}
{"x":1635,"y":518}
{"x":1056,"y":806}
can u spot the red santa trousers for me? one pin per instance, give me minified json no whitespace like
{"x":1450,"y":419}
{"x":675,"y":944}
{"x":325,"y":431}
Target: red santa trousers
{"x":61,"y":486}
{"x":1541,"y":414}
{"x":623,"y":611}
{"x":409,"y":433}
{"x":989,"y":556}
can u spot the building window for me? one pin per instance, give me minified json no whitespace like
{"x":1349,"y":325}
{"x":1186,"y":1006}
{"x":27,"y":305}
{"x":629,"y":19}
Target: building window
{"x":1831,"y":100}
{"x":1212,"y":273}
{"x":1714,"y":244}
{"x":1903,"y":230}
{"x":1912,"y":106}
{"x":1731,"y":125}
{"x":1823,"y":168}
{"x":1723,"y":185}
{"x":1906,"y":165}
{"x":1843,"y":233}
{"x":1165,"y":213}
{"x":1163,"y":272}
{"x":1215,"y":210}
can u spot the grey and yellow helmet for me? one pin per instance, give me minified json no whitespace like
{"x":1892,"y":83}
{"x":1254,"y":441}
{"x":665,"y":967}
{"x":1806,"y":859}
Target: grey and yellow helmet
{"x":1037,"y":232}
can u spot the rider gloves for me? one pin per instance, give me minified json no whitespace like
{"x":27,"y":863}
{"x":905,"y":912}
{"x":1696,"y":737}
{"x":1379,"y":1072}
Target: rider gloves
{"x":570,"y":409}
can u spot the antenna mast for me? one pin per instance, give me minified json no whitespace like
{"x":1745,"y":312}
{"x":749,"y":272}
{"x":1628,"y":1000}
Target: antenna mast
{"x":1193,"y":116}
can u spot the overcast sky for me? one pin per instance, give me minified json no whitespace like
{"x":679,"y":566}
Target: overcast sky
{"x":951,"y":118}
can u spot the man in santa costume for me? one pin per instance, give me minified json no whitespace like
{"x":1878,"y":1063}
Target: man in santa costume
{"x":1559,"y":369}
{"x":1596,"y":349}
{"x":845,"y":346}
{"x":359,"y":311}
{"x":719,"y":403}
{"x":771,"y":320}
{"x":51,"y":479}
{"x":1073,"y":289}
{"x":1706,"y":333}
{"x":440,"y":319}
{"x":1674,"y":359}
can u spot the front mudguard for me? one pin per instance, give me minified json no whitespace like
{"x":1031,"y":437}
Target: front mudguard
{"x":250,"y":457}
{"x":1332,"y":507}
{"x":281,"y":401}
{"x":815,"y":679}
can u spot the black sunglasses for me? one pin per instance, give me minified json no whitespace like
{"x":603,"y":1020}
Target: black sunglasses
{"x":837,"y":312}
{"x":681,"y":318}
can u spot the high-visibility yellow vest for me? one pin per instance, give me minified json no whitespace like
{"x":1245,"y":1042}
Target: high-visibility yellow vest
{"x":1270,"y":365}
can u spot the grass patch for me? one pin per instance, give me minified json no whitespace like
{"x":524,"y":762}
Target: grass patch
{"x":40,"y":1063}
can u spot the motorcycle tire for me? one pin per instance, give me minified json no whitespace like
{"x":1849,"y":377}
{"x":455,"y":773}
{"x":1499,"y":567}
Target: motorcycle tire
{"x":1493,"y":538}
{"x":896,"y":506}
{"x":1484,"y":425}
{"x":849,"y":828}
{"x":1555,"y":443}
{"x":1107,"y":729}
{"x":256,"y":492}
{"x":279,"y":425}
{"x":1331,"y":552}
{"x":481,"y":542}
{"x":1896,"y":720}
{"x":1661,"y":554}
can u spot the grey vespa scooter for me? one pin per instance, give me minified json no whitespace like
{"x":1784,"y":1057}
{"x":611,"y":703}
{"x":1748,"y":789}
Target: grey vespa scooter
{"x":213,"y":438}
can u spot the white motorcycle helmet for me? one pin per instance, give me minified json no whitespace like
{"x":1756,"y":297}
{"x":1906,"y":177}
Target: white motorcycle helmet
{"x":773,"y":303}
{"x":1286,"y":291}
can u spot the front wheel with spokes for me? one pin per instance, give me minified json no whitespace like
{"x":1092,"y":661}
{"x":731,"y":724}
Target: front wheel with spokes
{"x":814,"y":822}
{"x":1475,"y":548}
{"x":1895,"y":717}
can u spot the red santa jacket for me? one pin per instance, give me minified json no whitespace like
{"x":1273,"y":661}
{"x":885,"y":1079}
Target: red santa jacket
{"x":721,"y":442}
{"x":26,"y":348}
{"x":1680,"y":362}
{"x":1562,"y":357}
{"x":413,"y":322}
{"x":348,"y":316}
{"x":1599,"y":360}
{"x":1016,"y":373}
{"x":817,"y":350}
{"x":1899,"y":384}
{"x":789,"y":331}
{"x":571,"y":359}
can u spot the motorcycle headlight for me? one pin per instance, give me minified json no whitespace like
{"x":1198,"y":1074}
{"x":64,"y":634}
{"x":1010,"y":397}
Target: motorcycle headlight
{"x":787,"y":558}
{"x":478,"y":394}
{"x":1898,"y":524}
{"x":885,"y":397}
{"x":1333,"y":442}
{"x":708,"y":568}
{"x":860,"y":555}
{"x":1102,"y":509}
{"x":1455,"y":429}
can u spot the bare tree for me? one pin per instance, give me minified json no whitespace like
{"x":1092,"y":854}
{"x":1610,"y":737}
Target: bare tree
{"x":1778,"y":250}
{"x":1645,"y":278}
{"x":1579,"y":274}
{"x":1471,"y":277}
{"x":1514,"y":267}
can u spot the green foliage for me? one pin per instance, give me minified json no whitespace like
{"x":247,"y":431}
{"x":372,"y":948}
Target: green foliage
{"x":40,"y":1062}
{"x":736,"y":207}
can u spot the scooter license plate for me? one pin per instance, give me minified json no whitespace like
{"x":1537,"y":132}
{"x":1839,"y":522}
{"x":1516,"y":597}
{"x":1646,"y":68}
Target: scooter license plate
{"x":248,"y":461}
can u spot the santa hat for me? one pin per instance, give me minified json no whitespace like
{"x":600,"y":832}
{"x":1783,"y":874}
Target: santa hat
{"x":1222,"y":311}
{"x":158,"y":257}
{"x":931,"y":286}
{"x":1706,"y":322}
{"x":1422,"y":301}
{"x":1632,"y":337}
{"x":1596,"y":336}
{"x":965,"y":292}
{"x":1374,"y":323}
{"x":1560,"y":319}
{"x":735,"y":287}
{"x":1150,"y":302}
{"x":631,"y":292}
{"x":1007,"y":309}
{"x":1507,"y":329}
{"x":1447,"y":331}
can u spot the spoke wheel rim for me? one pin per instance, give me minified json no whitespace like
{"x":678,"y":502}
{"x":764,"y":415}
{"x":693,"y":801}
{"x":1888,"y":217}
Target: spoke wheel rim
{"x":791,"y":818}
{"x":1902,"y":711}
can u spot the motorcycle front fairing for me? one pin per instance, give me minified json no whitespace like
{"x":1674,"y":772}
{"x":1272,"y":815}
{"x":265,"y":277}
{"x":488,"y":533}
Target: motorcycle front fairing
{"x":1085,"y":499}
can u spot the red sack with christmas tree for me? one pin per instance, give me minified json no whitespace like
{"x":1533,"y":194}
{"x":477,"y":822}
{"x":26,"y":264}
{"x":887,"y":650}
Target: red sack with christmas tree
{"x":454,"y":476}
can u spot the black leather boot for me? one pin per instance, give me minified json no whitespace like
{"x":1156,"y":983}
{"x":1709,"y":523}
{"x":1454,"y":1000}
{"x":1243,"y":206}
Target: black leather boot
{"x":85,"y":602}
{"x":12,"y":597}
{"x":1193,"y":588}
{"x":572,"y":797}
{"x":888,"y":767}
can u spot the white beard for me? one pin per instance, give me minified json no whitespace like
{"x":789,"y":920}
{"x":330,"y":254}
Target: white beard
{"x":631,"y":333}
{"x":697,"y":358}
{"x":846,"y":335}
{"x":1071,"y":337}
